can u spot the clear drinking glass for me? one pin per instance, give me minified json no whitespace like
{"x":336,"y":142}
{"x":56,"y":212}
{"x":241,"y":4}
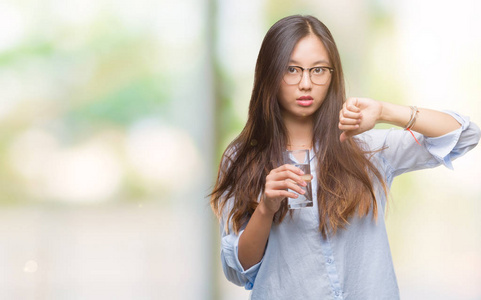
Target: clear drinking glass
{"x":300,"y":159}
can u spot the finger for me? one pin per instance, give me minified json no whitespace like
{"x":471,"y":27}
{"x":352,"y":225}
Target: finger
{"x":348,"y":127}
{"x":346,"y":134}
{"x":350,"y":115}
{"x":288,"y":175}
{"x":349,"y":121}
{"x":343,"y":137}
{"x":351,"y":101}
{"x":289,"y":167}
{"x":354,"y":108}
{"x":284,"y":185}
{"x":279,"y":194}
{"x":356,"y":102}
{"x":351,"y":112}
{"x":353,"y":104}
{"x":307,"y":178}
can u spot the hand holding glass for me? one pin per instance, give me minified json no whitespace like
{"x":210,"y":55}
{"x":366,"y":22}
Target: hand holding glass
{"x":300,"y":159}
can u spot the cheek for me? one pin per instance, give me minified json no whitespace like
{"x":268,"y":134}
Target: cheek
{"x":284,"y":94}
{"x":322,"y":93}
{"x":284,"y":91}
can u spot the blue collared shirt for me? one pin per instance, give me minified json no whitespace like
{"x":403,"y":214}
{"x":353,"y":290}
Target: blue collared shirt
{"x":356,"y":262}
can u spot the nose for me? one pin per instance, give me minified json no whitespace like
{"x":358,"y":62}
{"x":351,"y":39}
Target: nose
{"x":305,"y":83}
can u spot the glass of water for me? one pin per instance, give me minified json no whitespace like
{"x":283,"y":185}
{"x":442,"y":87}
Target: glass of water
{"x":300,"y":159}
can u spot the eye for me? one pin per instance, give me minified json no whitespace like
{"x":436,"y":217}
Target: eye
{"x":292,"y":70}
{"x":317,"y":71}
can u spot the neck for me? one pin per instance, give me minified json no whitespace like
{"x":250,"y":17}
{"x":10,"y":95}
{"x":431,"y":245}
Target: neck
{"x":299,"y":133}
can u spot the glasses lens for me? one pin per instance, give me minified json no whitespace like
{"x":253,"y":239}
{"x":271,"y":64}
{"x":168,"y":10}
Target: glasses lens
{"x":320,"y":75}
{"x":293,"y":75}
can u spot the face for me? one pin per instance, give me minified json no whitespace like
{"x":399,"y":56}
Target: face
{"x":300,"y":101}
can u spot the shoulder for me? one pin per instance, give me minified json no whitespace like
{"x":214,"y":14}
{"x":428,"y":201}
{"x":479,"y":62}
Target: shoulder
{"x":230,"y":157}
{"x":230,"y":153}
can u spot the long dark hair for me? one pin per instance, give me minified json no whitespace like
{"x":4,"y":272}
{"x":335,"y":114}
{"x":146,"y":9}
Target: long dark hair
{"x":345,"y":174}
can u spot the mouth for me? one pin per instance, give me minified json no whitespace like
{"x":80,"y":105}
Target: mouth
{"x":305,"y":100}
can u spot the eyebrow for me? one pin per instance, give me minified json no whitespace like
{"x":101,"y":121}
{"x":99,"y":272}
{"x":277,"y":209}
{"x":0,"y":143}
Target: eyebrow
{"x":315,"y":63}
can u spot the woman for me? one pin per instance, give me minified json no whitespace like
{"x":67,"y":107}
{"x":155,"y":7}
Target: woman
{"x":338,"y":249}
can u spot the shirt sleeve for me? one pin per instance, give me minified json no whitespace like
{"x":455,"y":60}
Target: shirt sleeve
{"x":399,"y":153}
{"x":231,"y":266}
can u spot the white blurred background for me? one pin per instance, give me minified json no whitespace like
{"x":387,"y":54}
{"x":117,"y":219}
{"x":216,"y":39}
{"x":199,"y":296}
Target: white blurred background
{"x":113,"y":116}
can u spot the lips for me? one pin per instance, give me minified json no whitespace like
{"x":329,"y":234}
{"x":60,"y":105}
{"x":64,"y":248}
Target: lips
{"x":305,"y":100}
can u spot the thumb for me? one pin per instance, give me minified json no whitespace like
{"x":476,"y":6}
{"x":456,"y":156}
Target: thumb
{"x":344,"y":136}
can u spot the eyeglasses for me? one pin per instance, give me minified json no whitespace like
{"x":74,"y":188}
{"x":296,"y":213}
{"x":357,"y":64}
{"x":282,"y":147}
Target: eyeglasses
{"x":318,"y":75}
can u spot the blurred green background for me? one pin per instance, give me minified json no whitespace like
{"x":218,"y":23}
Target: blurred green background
{"x":113,"y":116}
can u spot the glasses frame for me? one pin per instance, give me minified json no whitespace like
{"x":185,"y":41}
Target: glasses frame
{"x":309,"y":72}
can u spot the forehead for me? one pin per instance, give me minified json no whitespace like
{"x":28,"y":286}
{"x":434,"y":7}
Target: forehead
{"x":309,"y":51}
